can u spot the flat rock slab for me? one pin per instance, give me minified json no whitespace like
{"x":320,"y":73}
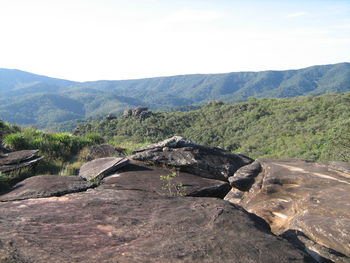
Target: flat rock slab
{"x":99,"y":168}
{"x":17,"y":160}
{"x":17,"y":157}
{"x":209,"y":162}
{"x":137,"y":176}
{"x":45,"y":186}
{"x":136,"y":226}
{"x":299,"y":195}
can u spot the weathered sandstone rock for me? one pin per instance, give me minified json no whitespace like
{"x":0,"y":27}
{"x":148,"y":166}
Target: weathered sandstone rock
{"x":208,"y":162}
{"x":46,"y":186}
{"x":99,"y":168}
{"x":309,"y":197}
{"x":136,"y":226}
{"x":137,"y":176}
{"x":12,"y":161}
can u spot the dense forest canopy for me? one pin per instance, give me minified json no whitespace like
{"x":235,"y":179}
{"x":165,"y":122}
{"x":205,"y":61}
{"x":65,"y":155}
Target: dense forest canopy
{"x":310,"y":127}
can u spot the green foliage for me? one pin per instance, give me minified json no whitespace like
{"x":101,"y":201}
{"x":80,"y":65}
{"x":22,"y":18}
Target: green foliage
{"x":8,"y":179}
{"x":169,"y":186}
{"x":7,"y":128}
{"x":311,"y":127}
{"x":52,"y":145}
{"x":125,"y":145}
{"x":60,"y":151}
{"x":71,"y":169}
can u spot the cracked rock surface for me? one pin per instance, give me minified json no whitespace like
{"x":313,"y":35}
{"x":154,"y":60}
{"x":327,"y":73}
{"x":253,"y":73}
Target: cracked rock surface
{"x":106,"y":225}
{"x":156,"y":208}
{"x":292,"y":194}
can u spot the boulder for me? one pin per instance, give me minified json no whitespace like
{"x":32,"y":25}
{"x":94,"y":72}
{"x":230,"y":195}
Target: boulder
{"x":243,"y":179}
{"x":99,"y":168}
{"x":297,"y":195}
{"x":12,"y":161}
{"x":105,"y":225}
{"x":45,"y":186}
{"x":137,"y":176}
{"x":140,"y":112}
{"x":209,"y":162}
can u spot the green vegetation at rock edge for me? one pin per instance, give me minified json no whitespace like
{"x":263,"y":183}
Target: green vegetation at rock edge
{"x":63,"y":152}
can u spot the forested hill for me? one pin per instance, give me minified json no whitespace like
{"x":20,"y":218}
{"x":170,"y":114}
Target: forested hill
{"x":27,"y":98}
{"x":310,"y":127}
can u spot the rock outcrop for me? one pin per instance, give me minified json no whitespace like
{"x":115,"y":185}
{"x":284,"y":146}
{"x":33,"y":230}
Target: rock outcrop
{"x":140,"y":112}
{"x":104,"y":225}
{"x":155,"y":207}
{"x":209,"y":162}
{"x":45,"y":186}
{"x":308,"y":200}
{"x":12,"y":161}
{"x":99,"y":168}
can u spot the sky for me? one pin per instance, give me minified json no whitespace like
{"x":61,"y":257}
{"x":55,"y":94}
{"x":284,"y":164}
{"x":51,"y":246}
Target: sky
{"x":86,"y":40}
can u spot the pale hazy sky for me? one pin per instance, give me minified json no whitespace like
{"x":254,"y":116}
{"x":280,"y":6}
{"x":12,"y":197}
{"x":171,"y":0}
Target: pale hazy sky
{"x":120,"y":39}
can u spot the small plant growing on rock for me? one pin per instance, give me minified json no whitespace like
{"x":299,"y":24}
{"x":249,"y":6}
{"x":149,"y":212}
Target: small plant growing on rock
{"x":173,"y":189}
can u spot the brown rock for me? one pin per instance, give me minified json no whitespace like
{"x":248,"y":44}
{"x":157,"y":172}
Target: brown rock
{"x":99,"y":168}
{"x":137,"y":176}
{"x":299,"y":195}
{"x":136,"y":226}
{"x":45,"y":186}
{"x":209,"y":162}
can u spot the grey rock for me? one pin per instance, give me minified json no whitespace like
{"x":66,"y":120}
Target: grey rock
{"x":243,"y":179}
{"x":140,"y":112}
{"x":313,"y":198}
{"x":173,"y":142}
{"x":209,"y":162}
{"x":99,"y":168}
{"x":136,"y":226}
{"x":12,"y":161}
{"x":45,"y":186}
{"x":18,"y":157}
{"x":137,"y":176}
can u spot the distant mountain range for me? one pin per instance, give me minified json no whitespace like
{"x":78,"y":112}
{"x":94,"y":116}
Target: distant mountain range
{"x":31,"y":99}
